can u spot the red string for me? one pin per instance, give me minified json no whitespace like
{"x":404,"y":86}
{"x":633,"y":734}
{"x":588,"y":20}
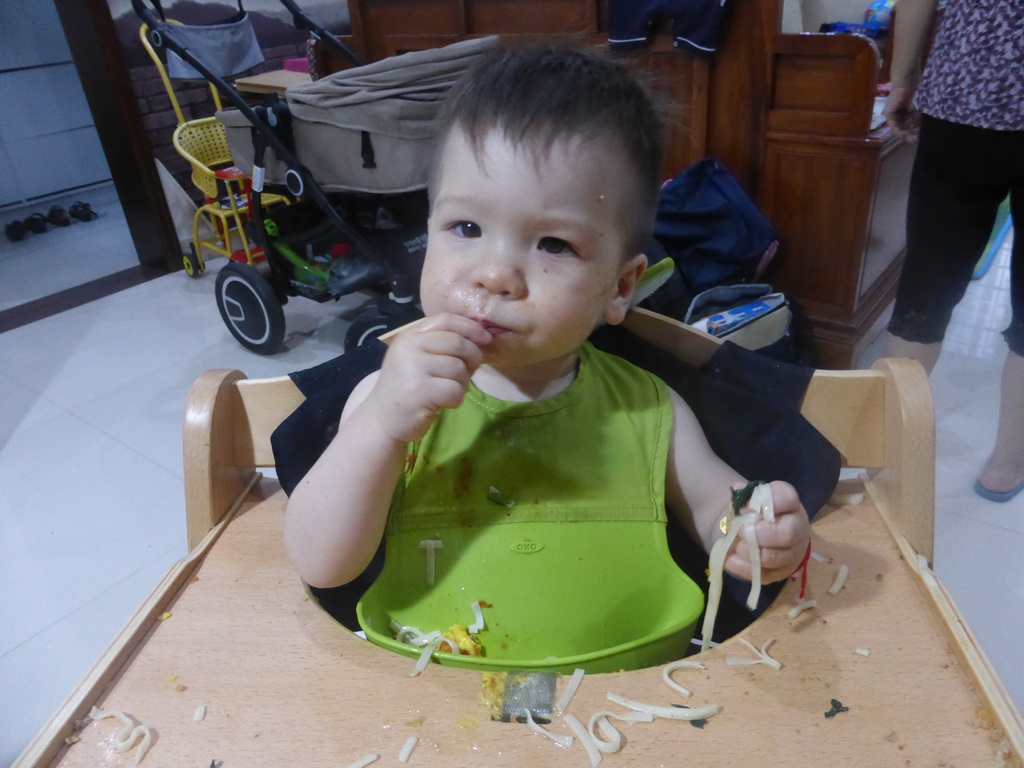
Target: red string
{"x":802,"y":570}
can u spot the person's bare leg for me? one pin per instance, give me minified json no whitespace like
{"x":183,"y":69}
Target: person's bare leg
{"x":926,"y":354}
{"x":1004,"y":469}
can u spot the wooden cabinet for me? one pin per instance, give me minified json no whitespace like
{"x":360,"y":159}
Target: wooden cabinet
{"x":839,"y":205}
{"x":836,"y":191}
{"x":788,"y":115}
{"x":383,"y":27}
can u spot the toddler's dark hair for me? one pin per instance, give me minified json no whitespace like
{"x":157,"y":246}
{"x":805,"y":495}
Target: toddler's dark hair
{"x":541,"y":94}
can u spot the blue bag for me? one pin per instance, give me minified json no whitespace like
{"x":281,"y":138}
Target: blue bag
{"x":711,"y":228}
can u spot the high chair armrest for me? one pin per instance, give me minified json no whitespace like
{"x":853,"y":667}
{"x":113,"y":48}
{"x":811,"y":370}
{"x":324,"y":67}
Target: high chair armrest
{"x":904,"y":488}
{"x":212,"y":480}
{"x":228,"y":423}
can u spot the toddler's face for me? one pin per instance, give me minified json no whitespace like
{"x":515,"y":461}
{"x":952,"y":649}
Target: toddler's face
{"x":530,"y":245}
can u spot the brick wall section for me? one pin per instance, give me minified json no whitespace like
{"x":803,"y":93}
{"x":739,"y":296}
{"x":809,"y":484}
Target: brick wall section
{"x":158,"y":116}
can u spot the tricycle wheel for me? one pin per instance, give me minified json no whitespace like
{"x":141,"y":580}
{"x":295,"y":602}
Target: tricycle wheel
{"x":250,"y":308}
{"x":193,"y":266}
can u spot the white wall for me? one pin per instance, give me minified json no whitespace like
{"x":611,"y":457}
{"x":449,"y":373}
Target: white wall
{"x":811,"y":14}
{"x":47,"y":139}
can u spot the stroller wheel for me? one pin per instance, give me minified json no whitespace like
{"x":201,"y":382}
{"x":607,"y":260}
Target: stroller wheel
{"x":370,"y":325}
{"x":250,"y":308}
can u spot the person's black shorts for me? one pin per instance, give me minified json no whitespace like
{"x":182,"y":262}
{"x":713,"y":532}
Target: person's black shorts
{"x":696,"y":24}
{"x":961,"y":175}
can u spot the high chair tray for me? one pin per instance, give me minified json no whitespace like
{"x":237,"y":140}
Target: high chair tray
{"x":283,"y":684}
{"x":883,"y":673}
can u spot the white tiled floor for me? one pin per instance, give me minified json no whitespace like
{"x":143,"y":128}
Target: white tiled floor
{"x":977,"y":542}
{"x":91,"y":500}
{"x":91,"y":497}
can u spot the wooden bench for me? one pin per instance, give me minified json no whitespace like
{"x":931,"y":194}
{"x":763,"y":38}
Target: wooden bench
{"x":232,"y":629}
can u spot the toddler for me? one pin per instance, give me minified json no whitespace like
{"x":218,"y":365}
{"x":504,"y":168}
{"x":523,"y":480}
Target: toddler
{"x":495,"y":408}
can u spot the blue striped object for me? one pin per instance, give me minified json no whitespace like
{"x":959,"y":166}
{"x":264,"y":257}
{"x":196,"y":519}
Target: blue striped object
{"x":1000,"y":232}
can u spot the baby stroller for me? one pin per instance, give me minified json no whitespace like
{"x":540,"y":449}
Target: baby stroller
{"x":351,"y":150}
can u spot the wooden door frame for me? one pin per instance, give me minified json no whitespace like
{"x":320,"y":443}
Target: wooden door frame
{"x":99,"y":60}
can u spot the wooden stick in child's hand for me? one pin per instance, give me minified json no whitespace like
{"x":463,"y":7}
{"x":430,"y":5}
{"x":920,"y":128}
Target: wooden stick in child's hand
{"x":389,"y":336}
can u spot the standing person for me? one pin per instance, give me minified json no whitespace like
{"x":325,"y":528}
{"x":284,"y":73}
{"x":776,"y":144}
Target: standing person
{"x":966,"y":112}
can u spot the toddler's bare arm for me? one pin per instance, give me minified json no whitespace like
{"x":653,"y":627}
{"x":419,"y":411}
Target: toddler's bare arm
{"x":697,"y":490}
{"x":335,"y":517}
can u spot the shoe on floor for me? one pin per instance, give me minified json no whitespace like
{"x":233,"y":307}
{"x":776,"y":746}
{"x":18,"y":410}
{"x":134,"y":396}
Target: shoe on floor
{"x":58,"y":217}
{"x":36,"y":223}
{"x":985,"y":493}
{"x":82,"y":211}
{"x":15,"y":231}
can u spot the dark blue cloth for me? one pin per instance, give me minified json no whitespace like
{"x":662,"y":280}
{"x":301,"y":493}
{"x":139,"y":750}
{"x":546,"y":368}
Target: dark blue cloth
{"x":696,"y":24}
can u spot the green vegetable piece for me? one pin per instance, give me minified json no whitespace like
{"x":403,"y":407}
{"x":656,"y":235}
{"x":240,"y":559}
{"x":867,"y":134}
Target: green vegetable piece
{"x":497,"y":497}
{"x":742,"y":496}
{"x":837,"y":707}
{"x":698,"y":723}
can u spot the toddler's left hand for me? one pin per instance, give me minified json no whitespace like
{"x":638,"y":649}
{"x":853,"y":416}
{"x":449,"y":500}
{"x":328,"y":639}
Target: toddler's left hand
{"x":783,"y":543}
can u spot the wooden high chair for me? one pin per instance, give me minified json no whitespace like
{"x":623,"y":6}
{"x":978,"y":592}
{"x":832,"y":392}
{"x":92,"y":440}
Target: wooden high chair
{"x":232,"y":630}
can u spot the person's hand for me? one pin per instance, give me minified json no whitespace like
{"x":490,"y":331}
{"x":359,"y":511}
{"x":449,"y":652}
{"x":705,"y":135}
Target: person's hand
{"x":783,"y":543}
{"x":427,"y":367}
{"x":901,"y":115}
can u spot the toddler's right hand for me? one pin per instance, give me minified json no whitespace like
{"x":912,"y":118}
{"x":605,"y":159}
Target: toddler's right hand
{"x":427,"y":367}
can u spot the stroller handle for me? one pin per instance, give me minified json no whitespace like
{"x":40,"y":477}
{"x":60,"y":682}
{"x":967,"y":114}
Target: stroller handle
{"x":144,"y":13}
{"x":300,"y":20}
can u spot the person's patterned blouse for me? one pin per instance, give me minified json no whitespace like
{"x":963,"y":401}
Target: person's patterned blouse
{"x":975,"y":72}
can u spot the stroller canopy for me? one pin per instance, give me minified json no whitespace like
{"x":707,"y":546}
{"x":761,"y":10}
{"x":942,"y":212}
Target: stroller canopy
{"x":367,"y":129}
{"x":399,"y":96}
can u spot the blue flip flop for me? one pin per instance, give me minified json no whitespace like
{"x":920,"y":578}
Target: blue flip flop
{"x":985,"y":493}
